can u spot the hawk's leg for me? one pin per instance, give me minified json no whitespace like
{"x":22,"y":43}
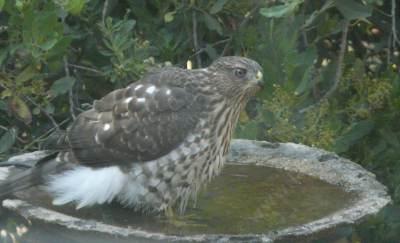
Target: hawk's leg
{"x":177,"y":220}
{"x":169,"y":212}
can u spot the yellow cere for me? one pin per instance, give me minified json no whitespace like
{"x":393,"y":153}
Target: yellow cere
{"x":259,"y":75}
{"x":189,"y":65}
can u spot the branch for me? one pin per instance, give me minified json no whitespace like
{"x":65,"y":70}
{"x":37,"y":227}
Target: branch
{"x":394,"y":29}
{"x":53,"y":121}
{"x":38,"y":139}
{"x":86,"y":68}
{"x":241,"y":25}
{"x":71,"y":91}
{"x":104,"y":12}
{"x":389,"y":49}
{"x":195,"y":40}
{"x":339,"y":69}
{"x":302,"y":30}
{"x":7,"y":129}
{"x":201,"y":50}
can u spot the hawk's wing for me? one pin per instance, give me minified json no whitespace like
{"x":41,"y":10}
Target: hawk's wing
{"x":139,"y":123}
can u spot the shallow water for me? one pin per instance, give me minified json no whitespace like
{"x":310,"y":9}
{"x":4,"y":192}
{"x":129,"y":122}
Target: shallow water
{"x":244,"y":199}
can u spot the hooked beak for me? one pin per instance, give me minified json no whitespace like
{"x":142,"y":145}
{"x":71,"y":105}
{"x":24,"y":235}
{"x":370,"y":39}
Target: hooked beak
{"x":259,"y":79}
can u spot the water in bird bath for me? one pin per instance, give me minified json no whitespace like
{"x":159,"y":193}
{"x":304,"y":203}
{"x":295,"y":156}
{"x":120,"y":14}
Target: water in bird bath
{"x":243,"y":199}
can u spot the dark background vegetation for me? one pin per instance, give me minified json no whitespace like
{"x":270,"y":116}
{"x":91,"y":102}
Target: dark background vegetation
{"x":331,"y":71}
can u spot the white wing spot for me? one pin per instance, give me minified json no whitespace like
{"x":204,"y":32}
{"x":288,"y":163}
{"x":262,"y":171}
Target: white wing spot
{"x":174,"y":155}
{"x":151,"y":89}
{"x":127,"y":100}
{"x":191,"y":138}
{"x":96,"y":138}
{"x":4,"y":172}
{"x":168,"y":92}
{"x":141,"y":100}
{"x":106,"y":127}
{"x":138,"y":87}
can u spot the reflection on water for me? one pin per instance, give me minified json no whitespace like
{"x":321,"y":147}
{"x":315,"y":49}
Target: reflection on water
{"x":244,"y":199}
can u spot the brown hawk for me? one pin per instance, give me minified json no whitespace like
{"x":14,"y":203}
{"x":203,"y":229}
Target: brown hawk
{"x":152,"y":144}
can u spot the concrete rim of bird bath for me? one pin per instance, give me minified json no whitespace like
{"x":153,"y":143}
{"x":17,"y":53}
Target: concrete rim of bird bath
{"x":371,"y":197}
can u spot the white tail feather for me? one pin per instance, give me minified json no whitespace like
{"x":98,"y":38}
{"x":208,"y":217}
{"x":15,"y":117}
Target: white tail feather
{"x":86,"y":186}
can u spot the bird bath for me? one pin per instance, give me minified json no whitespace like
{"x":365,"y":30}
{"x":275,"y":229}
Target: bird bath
{"x":266,"y":192}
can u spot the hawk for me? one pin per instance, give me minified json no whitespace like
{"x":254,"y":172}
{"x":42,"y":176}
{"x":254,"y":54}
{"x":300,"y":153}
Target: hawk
{"x":151,"y":145}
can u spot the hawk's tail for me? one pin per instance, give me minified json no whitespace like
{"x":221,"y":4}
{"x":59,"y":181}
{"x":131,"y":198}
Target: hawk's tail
{"x":28,"y":170}
{"x":25,"y":171}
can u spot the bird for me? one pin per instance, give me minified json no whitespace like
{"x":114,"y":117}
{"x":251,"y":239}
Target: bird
{"x":152,"y":145}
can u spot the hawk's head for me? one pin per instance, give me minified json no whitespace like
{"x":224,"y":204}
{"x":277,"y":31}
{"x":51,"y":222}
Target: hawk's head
{"x":237,"y":75}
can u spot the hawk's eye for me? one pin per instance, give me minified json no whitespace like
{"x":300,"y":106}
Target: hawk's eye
{"x":240,"y":72}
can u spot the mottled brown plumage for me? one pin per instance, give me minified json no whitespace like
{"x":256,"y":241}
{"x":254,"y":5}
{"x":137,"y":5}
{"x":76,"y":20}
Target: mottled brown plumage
{"x":157,"y":141}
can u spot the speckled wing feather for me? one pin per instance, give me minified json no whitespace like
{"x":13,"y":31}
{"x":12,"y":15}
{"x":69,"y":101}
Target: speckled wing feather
{"x":140,"y":123}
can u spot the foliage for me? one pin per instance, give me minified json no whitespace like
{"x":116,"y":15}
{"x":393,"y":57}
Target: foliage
{"x":331,"y":69}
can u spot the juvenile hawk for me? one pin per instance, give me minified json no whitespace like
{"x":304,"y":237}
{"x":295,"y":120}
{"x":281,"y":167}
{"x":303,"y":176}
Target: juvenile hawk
{"x":152,"y":144}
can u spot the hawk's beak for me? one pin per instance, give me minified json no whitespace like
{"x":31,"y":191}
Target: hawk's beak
{"x":259,"y":79}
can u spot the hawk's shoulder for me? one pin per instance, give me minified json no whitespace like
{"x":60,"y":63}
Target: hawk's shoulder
{"x":173,"y":76}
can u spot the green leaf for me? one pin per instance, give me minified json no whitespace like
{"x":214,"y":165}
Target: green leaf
{"x":279,"y":11}
{"x":390,"y":137}
{"x":306,"y":81}
{"x":211,"y":52}
{"x":3,"y":105}
{"x":378,"y":148}
{"x":306,"y":58}
{"x":19,"y":4}
{"x":169,"y":17}
{"x":49,"y":44}
{"x":217,"y":6}
{"x":27,"y":74}
{"x":75,"y":6}
{"x":20,"y":109}
{"x":2,"y":4}
{"x":7,"y":140}
{"x":3,"y":54}
{"x":62,"y":86}
{"x":328,"y":4}
{"x":58,"y":50}
{"x":6,"y":93}
{"x":212,"y":23}
{"x":36,"y":111}
{"x":275,"y":11}
{"x":357,"y":131}
{"x":351,"y":9}
{"x":50,"y":108}
{"x":127,"y":26}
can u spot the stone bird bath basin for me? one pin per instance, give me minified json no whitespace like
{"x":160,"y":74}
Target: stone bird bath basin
{"x":267,"y":192}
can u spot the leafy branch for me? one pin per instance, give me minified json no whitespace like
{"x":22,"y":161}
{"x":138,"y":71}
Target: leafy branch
{"x":339,"y":68}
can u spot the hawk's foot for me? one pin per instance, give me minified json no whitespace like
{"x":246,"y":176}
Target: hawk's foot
{"x":177,"y":220}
